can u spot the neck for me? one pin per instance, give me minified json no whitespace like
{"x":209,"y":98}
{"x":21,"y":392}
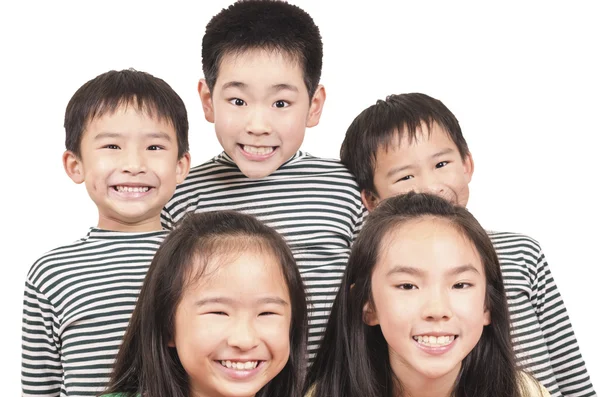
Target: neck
{"x":118,"y":225}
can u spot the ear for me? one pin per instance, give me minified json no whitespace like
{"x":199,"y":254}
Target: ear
{"x":206,"y":99}
{"x":183,"y":168}
{"x":370,"y":315}
{"x":73,"y":167}
{"x":171,"y":343}
{"x":468,"y":167}
{"x":316,"y":107}
{"x":369,"y":200}
{"x":487,"y":317}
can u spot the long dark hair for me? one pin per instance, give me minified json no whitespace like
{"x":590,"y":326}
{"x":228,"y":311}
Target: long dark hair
{"x":354,"y":361}
{"x":145,"y":364}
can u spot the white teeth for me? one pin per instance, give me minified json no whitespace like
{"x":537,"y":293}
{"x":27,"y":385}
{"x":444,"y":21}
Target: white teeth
{"x":260,"y":150}
{"x":129,"y":189}
{"x":434,"y":341}
{"x":244,"y":366}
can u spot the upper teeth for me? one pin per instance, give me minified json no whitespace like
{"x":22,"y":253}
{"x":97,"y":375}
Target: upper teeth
{"x":434,"y":341}
{"x":239,"y":365}
{"x":132,"y":189}
{"x":258,"y":149}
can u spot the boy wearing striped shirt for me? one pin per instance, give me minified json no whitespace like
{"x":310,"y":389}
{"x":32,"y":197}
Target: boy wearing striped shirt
{"x":413,"y":142}
{"x":262,"y":63}
{"x":126,"y":139}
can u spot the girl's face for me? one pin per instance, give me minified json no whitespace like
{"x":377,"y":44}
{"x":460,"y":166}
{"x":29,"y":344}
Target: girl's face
{"x":232,"y":327}
{"x":428,"y":297}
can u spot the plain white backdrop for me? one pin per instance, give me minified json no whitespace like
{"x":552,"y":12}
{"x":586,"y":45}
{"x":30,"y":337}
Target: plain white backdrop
{"x":521,"y":77}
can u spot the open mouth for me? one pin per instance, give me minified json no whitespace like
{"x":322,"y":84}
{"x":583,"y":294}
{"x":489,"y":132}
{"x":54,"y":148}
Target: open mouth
{"x":240,"y":365}
{"x":434,"y":341}
{"x":131,"y":189}
{"x":258,"y":150}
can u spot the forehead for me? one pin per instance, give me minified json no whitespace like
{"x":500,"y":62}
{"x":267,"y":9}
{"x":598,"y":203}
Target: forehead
{"x":255,"y":271}
{"x":129,"y":117}
{"x":421,"y":139}
{"x":430,"y":243}
{"x":260,"y":66}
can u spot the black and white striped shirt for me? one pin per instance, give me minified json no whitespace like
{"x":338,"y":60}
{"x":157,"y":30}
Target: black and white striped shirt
{"x":313,"y":203}
{"x":77,"y":305}
{"x":543,"y":338}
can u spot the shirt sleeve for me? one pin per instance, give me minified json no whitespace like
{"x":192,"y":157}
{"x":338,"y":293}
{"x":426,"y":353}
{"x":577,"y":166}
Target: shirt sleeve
{"x":41,"y":368}
{"x":166,"y":220}
{"x":565,"y":357}
{"x":359,"y":221}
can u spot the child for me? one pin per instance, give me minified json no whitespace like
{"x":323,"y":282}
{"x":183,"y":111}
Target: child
{"x":262,"y":63}
{"x":413,"y":142}
{"x":126,"y":139}
{"x":421,"y":310}
{"x":222,"y":313}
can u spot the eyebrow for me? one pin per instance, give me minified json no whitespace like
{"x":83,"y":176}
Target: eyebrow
{"x":159,"y":135}
{"x":228,"y":301}
{"x":420,"y":273}
{"x":397,"y":170}
{"x":274,"y":87}
{"x":443,"y":152}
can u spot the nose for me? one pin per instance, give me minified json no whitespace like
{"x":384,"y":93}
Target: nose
{"x":430,"y":183}
{"x":258,"y":122}
{"x":243,"y":335}
{"x":134,"y":162}
{"x":437,"y":307}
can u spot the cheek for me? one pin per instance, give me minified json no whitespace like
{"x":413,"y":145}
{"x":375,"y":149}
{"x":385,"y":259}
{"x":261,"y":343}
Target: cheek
{"x":276,"y":334}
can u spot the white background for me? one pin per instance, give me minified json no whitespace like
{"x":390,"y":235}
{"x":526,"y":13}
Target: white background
{"x":521,"y":77}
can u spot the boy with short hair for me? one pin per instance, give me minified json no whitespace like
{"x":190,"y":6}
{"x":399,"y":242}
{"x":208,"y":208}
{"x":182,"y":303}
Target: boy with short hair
{"x":413,"y":142}
{"x":126,"y":139}
{"x":262,"y":63}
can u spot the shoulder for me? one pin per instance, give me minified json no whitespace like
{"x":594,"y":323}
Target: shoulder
{"x":56,"y":255}
{"x":531,"y":387}
{"x":508,"y":241}
{"x":310,"y":392}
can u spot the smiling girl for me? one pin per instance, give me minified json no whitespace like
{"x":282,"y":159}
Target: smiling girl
{"x":222,"y":312}
{"x":421,"y":311}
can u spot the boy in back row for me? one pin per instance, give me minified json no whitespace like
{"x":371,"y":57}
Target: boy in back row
{"x":412,"y":142}
{"x":127,"y":140}
{"x":262,"y":63}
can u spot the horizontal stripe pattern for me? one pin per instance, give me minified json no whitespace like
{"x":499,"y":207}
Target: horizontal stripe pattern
{"x":313,"y":203}
{"x":77,"y":304}
{"x":544,"y":341}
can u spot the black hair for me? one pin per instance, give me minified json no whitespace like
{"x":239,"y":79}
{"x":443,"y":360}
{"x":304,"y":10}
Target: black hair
{"x":107,"y":92}
{"x":379,"y":125}
{"x":353,"y":360}
{"x":145,"y":364}
{"x":270,"y":25}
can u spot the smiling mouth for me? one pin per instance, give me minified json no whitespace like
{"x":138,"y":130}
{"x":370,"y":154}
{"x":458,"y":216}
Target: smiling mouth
{"x":131,"y":189}
{"x":240,"y":365}
{"x":433,"y":341}
{"x":258,"y":150}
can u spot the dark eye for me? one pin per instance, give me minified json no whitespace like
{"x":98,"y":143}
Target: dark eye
{"x":219,"y":313}
{"x":441,"y":164}
{"x":406,"y":178}
{"x":155,"y":147}
{"x":237,"y":102}
{"x":281,"y":104}
{"x":114,"y":147}
{"x":267,"y":314}
{"x":461,"y":285}
{"x":406,"y":286}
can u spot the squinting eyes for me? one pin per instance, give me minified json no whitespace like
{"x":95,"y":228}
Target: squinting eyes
{"x":441,"y":164}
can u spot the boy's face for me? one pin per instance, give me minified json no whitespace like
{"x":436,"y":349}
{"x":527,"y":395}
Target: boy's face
{"x":429,"y":164}
{"x":261,"y":108}
{"x":130,"y":168}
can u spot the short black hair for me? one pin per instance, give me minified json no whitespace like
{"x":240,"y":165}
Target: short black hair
{"x":379,"y":125}
{"x":269,"y":25}
{"x":107,"y":92}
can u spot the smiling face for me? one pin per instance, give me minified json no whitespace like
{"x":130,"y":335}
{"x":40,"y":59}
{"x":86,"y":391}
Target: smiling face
{"x":130,"y":168}
{"x":431,"y":163}
{"x":232,"y":327}
{"x":261,"y":108}
{"x":428,"y":291}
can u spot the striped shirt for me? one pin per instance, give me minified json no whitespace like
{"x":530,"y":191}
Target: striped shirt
{"x":313,"y":203}
{"x":77,"y":305}
{"x":543,"y":338}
